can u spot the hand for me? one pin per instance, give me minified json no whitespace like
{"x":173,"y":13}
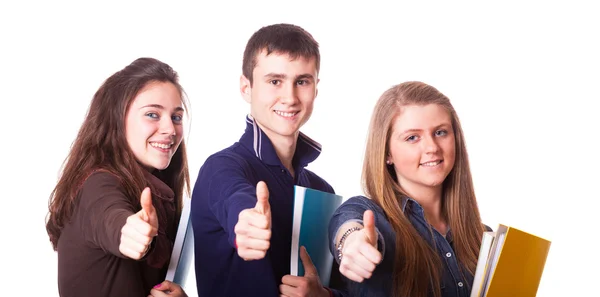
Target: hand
{"x":253,"y":229}
{"x":307,"y":285}
{"x":139,"y":229}
{"x":359,"y":253}
{"x":167,"y":288}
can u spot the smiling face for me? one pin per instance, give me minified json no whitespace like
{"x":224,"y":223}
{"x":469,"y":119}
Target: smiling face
{"x":154,"y":124}
{"x":282,"y":93}
{"x":421,"y":146}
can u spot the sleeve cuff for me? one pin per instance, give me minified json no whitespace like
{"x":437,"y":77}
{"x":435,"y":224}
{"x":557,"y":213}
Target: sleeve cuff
{"x":380,"y":240}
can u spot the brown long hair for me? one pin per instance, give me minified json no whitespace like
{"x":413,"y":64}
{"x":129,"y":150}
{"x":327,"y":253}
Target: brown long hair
{"x":417,"y":265}
{"x":101,"y":144}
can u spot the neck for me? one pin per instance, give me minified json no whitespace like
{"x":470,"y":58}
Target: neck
{"x":430,"y":199}
{"x":285,"y":147}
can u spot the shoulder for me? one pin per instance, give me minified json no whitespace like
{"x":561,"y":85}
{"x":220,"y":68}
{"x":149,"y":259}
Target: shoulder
{"x":227,"y":157}
{"x":99,"y":180}
{"x":225,"y":168}
{"x":102,"y":187}
{"x":362,"y":203}
{"x":317,"y":182}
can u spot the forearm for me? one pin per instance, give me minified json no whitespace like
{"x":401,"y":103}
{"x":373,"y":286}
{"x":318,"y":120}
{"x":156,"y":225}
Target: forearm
{"x":345,"y":227}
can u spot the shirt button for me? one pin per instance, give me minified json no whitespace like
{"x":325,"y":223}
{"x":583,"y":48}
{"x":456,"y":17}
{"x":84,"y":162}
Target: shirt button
{"x":448,"y":255}
{"x":460,"y":284}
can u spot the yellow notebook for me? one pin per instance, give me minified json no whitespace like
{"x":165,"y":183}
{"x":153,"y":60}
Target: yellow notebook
{"x":513,"y":265}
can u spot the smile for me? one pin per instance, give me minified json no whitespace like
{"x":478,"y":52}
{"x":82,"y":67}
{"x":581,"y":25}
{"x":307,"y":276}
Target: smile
{"x":286,"y":114}
{"x":432,"y":163}
{"x":164,"y":146}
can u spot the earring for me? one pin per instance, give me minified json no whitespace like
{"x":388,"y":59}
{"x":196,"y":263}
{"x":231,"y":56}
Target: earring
{"x":388,"y":162}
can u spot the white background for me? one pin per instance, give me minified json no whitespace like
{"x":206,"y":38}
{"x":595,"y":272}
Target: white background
{"x":523,"y":78}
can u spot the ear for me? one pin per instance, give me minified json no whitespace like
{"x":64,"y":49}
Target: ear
{"x":245,"y":88}
{"x":317,"y":87}
{"x":388,"y":160}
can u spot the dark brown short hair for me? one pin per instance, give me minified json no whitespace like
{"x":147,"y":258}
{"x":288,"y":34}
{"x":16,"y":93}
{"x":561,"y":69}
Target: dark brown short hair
{"x":282,"y":39}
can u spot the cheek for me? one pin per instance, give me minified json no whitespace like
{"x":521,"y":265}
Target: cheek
{"x":404,"y":157}
{"x":262,"y":95}
{"x":450,"y":150}
{"x":179,"y":133}
{"x":131,"y":133}
{"x":138,"y":132}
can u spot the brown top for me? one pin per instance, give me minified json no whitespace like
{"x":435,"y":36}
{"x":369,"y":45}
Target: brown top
{"x":89,"y":261}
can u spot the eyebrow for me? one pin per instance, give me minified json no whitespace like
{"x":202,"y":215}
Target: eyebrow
{"x":419,"y":130}
{"x":283,"y":76}
{"x":178,"y":108}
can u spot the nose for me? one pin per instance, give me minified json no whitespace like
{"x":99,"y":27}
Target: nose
{"x":288,"y":94}
{"x":430,"y":145}
{"x":166,"y":126}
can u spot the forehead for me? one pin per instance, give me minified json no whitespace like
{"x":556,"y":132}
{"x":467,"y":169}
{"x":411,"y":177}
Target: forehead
{"x":283,"y":63}
{"x":421,"y":117}
{"x":161,"y":93}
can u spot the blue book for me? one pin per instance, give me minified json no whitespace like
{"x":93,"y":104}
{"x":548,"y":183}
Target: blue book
{"x":181,"y":269}
{"x":312,"y":211}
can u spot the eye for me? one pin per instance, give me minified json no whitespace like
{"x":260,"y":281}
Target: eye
{"x":177,"y":118}
{"x":275,"y":82}
{"x":303,"y":82}
{"x":441,"y":133}
{"x":412,"y":138}
{"x":152,"y":115}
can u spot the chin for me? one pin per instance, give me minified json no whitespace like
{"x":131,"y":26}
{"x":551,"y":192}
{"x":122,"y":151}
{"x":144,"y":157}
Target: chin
{"x":434,"y":182}
{"x":287,"y":132}
{"x":161,"y":166}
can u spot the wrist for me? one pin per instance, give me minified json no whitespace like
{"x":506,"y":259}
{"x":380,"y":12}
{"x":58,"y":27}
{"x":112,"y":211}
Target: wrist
{"x":340,"y":245}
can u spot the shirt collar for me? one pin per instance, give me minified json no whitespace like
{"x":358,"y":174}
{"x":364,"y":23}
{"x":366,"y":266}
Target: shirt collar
{"x":255,"y":139}
{"x":416,"y":208}
{"x":158,"y":187}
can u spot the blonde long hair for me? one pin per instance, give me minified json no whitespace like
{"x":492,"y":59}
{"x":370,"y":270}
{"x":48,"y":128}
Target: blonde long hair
{"x":417,"y":265}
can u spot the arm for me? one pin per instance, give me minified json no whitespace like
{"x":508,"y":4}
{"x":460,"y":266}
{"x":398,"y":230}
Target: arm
{"x":104,"y":210}
{"x":239,"y":204}
{"x":356,"y":243}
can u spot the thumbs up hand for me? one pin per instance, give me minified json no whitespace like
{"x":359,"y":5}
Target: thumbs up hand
{"x":359,"y":252}
{"x":253,"y":229}
{"x":139,"y":229}
{"x":308,"y":285}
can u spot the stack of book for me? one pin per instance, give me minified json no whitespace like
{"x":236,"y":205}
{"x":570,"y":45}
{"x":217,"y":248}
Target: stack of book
{"x":510,"y":263}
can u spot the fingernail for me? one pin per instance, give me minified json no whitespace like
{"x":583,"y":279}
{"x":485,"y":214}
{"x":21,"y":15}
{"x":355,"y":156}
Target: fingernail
{"x":157,"y":286}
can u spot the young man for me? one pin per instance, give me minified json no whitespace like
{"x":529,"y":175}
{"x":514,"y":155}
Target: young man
{"x":242,"y":202}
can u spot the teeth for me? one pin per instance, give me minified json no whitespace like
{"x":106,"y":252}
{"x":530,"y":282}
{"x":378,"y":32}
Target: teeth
{"x":431,"y":163}
{"x":161,"y":145}
{"x":285,"y":114}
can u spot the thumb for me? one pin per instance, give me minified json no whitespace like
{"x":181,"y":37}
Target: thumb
{"x":369,"y":224}
{"x":309,"y":267}
{"x":262,"y":198}
{"x":165,"y":286}
{"x":146,"y":202}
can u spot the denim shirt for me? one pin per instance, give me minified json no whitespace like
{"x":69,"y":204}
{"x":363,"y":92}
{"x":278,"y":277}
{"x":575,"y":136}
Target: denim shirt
{"x":455,"y":282}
